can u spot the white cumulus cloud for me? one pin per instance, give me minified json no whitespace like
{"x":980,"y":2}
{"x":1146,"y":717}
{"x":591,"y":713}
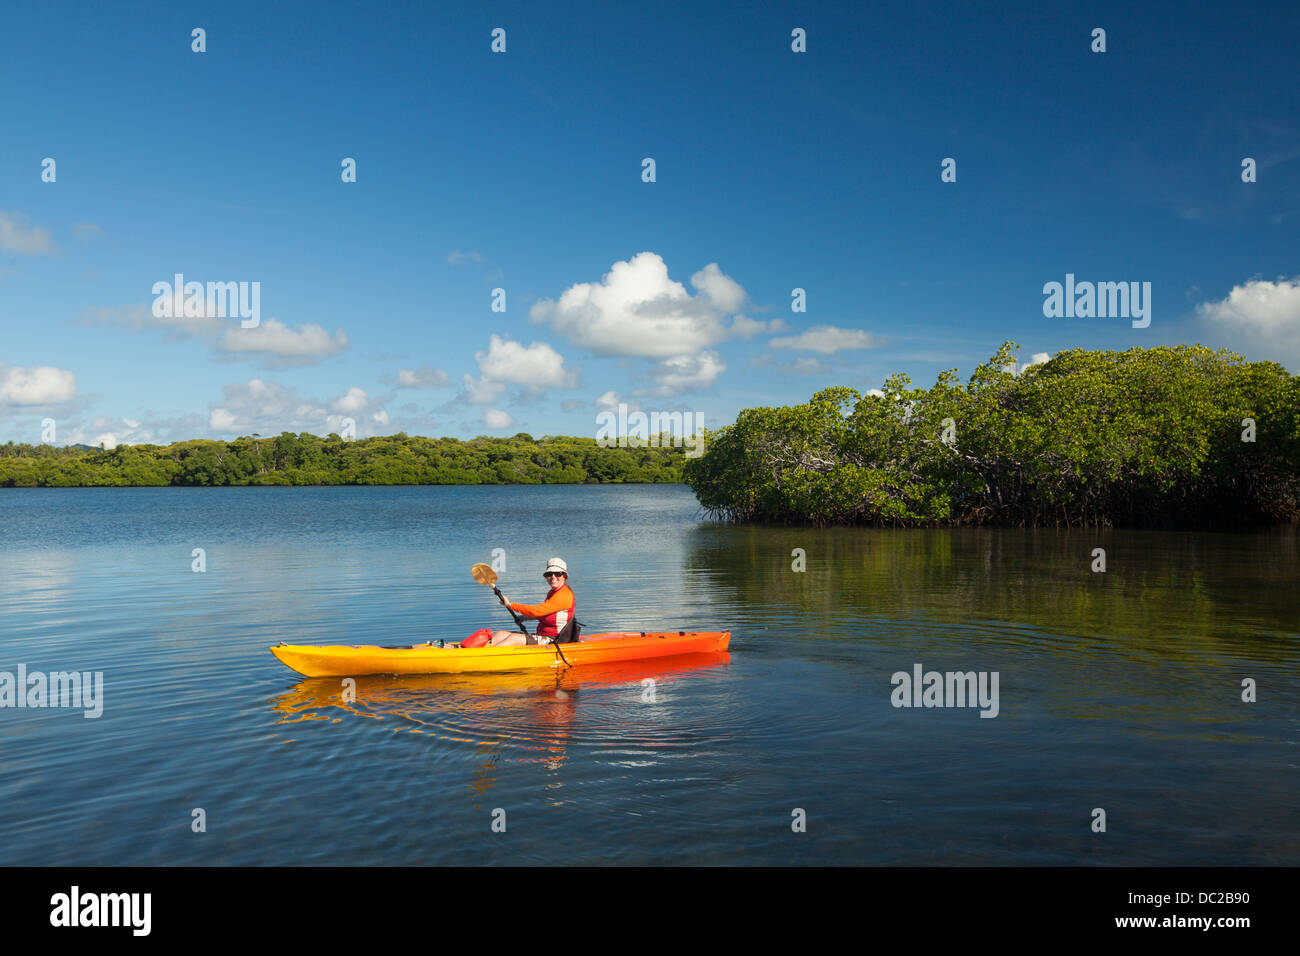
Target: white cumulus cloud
{"x":724,"y":291}
{"x":38,"y":385}
{"x":1261,"y":314}
{"x":1038,"y":358}
{"x":536,"y":366}
{"x":496,"y":419}
{"x":481,"y":391}
{"x":351,"y":401}
{"x":686,"y":373}
{"x":637,"y":310}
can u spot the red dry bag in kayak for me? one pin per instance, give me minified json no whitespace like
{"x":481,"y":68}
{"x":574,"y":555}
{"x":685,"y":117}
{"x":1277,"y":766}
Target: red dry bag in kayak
{"x":478,"y":638}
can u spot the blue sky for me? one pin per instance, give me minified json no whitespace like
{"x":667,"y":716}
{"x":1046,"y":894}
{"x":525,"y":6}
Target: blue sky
{"x":522,"y":171}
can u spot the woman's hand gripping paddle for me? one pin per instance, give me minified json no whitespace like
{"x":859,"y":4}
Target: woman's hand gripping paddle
{"x":483,"y":574}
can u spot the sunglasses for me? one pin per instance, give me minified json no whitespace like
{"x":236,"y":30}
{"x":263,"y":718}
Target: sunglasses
{"x":555,"y":574}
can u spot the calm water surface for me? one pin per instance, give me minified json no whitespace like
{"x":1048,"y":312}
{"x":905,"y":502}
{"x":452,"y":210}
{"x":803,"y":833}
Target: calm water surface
{"x":1119,"y":690}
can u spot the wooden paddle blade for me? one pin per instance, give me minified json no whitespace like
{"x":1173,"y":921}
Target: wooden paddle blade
{"x":483,"y":574}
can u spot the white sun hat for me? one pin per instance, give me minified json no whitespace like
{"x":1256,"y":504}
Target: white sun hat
{"x":556,"y":564}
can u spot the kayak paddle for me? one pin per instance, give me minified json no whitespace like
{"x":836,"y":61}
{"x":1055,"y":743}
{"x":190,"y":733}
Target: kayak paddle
{"x":483,"y":574}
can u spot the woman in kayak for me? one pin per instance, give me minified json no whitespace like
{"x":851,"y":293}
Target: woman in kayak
{"x":554,"y":615}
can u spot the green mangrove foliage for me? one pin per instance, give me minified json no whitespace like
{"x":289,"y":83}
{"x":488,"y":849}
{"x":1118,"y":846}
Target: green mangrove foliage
{"x":1164,"y":436}
{"x":304,"y":459}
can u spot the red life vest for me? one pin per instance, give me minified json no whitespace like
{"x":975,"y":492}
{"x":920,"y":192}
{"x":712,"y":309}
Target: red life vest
{"x":550,"y":625}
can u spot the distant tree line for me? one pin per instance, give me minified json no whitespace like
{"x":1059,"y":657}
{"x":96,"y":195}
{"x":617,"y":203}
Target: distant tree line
{"x":305,"y":459}
{"x":1159,"y":437}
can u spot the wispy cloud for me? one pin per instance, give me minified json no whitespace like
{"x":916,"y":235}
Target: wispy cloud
{"x":276,"y":344}
{"x":273,"y":343}
{"x":17,"y":235}
{"x":423,"y":377}
{"x":268,"y":408}
{"x":827,"y":339}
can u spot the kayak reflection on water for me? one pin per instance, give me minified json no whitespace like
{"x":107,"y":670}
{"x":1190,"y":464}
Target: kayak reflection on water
{"x":524,"y":716}
{"x":379,"y":695}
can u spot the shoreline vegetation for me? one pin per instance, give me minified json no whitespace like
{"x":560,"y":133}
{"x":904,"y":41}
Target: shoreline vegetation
{"x":306,"y":459}
{"x":1180,"y":436}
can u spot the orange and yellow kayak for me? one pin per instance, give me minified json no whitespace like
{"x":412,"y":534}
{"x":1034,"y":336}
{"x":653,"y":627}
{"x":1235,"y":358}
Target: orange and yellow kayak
{"x":355,"y":660}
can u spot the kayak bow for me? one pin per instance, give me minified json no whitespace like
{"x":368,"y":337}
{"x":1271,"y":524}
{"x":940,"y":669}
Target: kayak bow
{"x":355,"y":660}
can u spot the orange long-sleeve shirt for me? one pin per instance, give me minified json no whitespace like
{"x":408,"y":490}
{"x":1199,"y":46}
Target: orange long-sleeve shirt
{"x":560,"y":599}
